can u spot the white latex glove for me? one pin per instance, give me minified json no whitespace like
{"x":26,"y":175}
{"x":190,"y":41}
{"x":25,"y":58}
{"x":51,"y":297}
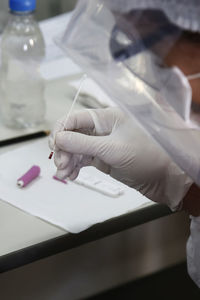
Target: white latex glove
{"x":111,"y":141}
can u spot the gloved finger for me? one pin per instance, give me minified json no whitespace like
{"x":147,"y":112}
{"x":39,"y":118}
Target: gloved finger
{"x":105,"y":119}
{"x":51,"y":142}
{"x":77,"y":161}
{"x":62,"y":159}
{"x":59,"y":126}
{"x":62,"y":174}
{"x":100,"y":165}
{"x":86,"y":160}
{"x":78,"y":143}
{"x":79,"y":120}
{"x":74,"y":174}
{"x":66,"y":172}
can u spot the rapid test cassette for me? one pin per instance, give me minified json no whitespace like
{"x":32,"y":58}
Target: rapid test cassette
{"x":99,"y":185}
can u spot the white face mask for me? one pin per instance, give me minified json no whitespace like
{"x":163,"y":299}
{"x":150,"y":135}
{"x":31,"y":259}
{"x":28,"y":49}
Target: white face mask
{"x":178,"y":92}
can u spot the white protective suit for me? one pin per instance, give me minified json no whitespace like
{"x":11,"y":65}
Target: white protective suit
{"x":113,"y":143}
{"x":184,"y":14}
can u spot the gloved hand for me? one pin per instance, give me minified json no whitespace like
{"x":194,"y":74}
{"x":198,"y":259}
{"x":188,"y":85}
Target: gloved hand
{"x":114,"y":143}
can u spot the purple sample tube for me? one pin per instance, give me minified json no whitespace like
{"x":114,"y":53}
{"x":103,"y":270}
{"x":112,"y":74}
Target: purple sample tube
{"x":28,"y":176}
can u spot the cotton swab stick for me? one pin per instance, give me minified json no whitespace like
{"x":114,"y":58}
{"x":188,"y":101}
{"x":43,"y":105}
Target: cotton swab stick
{"x":72,"y":106}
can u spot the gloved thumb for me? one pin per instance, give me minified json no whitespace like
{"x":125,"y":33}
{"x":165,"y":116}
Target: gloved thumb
{"x":78,"y":143}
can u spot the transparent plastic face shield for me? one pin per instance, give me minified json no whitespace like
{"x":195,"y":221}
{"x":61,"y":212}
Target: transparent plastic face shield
{"x":125,"y":54}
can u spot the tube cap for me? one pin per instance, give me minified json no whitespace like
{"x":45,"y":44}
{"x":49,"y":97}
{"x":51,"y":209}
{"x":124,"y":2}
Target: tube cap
{"x":22,"y":5}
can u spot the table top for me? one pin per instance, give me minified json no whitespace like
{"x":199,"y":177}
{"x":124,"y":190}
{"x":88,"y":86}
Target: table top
{"x":25,"y":238}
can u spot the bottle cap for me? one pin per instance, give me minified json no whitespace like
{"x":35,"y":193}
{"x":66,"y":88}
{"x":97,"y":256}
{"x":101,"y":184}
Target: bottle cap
{"x":22,"y":5}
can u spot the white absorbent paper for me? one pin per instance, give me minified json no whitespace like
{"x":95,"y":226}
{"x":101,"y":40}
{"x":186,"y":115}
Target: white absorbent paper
{"x":70,"y":206}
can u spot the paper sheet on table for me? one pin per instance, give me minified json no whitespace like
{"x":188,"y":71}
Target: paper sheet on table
{"x":69,"y":206}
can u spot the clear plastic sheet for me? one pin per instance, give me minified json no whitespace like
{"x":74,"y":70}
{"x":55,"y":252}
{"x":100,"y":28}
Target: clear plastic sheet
{"x":124,"y":53}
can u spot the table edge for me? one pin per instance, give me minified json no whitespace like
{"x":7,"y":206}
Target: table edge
{"x":69,"y":241}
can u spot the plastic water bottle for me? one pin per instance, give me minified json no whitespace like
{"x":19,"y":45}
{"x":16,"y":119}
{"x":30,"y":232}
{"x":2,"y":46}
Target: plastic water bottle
{"x":22,"y":51}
